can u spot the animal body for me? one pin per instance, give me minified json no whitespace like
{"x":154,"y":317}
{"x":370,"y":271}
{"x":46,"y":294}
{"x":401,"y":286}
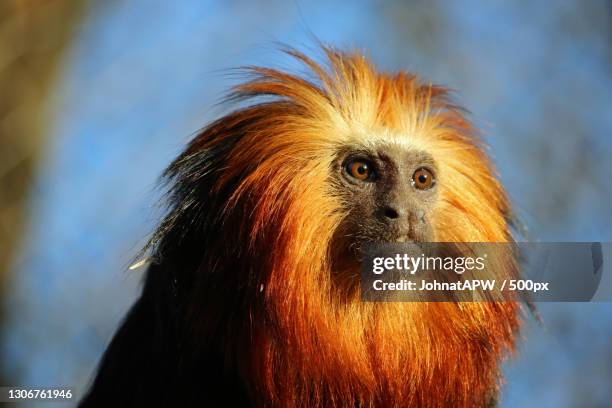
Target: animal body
{"x":250,"y":299}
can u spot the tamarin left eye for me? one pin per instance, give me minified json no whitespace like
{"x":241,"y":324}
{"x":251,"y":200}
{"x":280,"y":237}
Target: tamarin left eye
{"x":360,"y":169}
{"x":423,"y":179}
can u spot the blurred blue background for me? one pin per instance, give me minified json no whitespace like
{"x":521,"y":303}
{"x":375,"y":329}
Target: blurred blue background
{"x":141,"y":77}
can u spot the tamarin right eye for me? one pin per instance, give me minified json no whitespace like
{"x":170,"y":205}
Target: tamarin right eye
{"x":360,"y":169}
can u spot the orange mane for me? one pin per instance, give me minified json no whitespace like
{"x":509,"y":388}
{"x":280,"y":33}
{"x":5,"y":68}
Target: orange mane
{"x":293,"y":338}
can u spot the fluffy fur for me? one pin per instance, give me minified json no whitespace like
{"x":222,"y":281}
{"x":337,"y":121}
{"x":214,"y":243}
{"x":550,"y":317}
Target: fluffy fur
{"x":241,"y":286}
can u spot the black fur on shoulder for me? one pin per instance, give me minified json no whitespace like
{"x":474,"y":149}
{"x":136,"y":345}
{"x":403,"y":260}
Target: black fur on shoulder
{"x":152,"y":359}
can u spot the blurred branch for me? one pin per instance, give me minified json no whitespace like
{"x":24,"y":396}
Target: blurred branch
{"x":33,"y":37}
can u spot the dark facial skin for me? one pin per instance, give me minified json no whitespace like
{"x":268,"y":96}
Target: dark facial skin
{"x":389,"y":192}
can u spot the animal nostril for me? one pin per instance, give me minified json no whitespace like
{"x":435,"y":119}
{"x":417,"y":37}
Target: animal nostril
{"x":391,"y":213}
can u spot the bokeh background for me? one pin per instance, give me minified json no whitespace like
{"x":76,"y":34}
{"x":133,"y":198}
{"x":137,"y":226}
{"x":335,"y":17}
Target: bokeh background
{"x":96,"y":98}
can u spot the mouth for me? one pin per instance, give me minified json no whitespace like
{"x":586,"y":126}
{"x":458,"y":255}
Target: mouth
{"x":404,"y":238}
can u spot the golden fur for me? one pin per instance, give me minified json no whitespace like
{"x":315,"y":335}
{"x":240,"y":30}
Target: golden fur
{"x":297,"y":341}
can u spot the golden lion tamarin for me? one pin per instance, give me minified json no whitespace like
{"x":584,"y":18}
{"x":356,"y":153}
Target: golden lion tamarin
{"x":247,"y":300}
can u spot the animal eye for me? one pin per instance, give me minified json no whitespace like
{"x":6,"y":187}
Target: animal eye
{"x":423,"y":179}
{"x":360,"y":169}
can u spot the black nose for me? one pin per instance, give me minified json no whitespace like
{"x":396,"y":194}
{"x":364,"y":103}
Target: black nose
{"x":391,"y":213}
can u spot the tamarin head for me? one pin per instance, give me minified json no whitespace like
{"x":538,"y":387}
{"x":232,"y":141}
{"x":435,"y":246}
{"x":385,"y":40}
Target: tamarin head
{"x":271,"y":199}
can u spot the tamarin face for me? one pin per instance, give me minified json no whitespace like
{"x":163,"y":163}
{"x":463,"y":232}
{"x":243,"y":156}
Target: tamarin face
{"x":389,"y":191}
